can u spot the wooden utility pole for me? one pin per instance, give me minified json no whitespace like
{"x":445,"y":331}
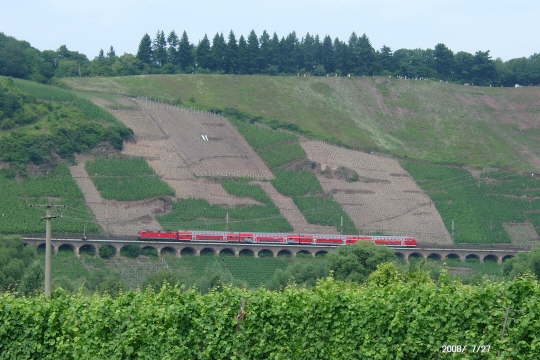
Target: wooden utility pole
{"x":48,"y":248}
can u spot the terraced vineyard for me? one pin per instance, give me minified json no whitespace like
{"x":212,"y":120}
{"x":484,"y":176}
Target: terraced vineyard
{"x":126,"y":179}
{"x":479,"y":207}
{"x":17,"y":217}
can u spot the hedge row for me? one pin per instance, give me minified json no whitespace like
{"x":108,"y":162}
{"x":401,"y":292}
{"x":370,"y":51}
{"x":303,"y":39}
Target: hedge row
{"x":403,"y":320}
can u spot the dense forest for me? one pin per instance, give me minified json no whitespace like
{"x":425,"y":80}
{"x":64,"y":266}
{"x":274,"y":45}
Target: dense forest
{"x":271,"y":55}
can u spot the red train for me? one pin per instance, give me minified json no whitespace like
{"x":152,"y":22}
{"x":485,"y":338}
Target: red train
{"x":275,"y":238}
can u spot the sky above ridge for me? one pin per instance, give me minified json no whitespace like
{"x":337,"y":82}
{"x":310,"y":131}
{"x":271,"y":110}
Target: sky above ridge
{"x":507,"y":28}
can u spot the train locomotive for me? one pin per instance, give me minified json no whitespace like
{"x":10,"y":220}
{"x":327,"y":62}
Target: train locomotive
{"x":273,"y":238}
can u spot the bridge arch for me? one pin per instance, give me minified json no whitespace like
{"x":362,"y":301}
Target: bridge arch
{"x":453,"y":256}
{"x":208,"y":251}
{"x":321,"y":253}
{"x":246,"y":252}
{"x":149,"y":251}
{"x":265,"y":253}
{"x":434,"y":257}
{"x":472,"y":258}
{"x":226,"y":252}
{"x":41,"y":248}
{"x":284,"y":253}
{"x":107,"y":251}
{"x":415,"y":256}
{"x":189,"y":251}
{"x":490,"y":259}
{"x":304,"y":253}
{"x":399,"y":256}
{"x":88,"y":249}
{"x":507,"y":257}
{"x":66,"y":248}
{"x":167,"y":250}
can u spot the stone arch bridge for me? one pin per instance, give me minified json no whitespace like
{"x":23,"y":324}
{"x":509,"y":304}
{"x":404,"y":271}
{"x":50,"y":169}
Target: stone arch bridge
{"x":78,"y":246}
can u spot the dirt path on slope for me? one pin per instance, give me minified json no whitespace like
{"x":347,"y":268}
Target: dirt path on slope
{"x":387,"y":200}
{"x":116,"y":217}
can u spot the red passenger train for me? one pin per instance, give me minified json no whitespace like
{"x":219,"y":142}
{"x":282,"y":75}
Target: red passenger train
{"x":275,"y":238}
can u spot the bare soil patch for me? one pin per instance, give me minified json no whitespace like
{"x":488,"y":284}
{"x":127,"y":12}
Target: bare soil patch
{"x":522,"y":233}
{"x":394,"y":204}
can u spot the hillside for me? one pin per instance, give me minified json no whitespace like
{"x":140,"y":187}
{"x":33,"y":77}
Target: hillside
{"x":427,"y":120}
{"x":452,"y":137}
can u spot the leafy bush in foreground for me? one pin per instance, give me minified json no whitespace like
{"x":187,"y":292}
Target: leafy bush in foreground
{"x":387,"y":318}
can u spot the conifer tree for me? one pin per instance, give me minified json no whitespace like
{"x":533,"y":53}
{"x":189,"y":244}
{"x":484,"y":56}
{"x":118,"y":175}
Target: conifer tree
{"x":160,"y":49}
{"x":185,"y":53}
{"x":172,"y":50}
{"x":386,"y":60}
{"x":111,"y":54}
{"x":289,"y":54}
{"x":243,"y":56}
{"x":219,"y":48}
{"x":144,"y":54}
{"x":365,"y":56}
{"x":444,"y":61}
{"x":328,"y":58}
{"x":231,"y":55}
{"x":253,"y":59}
{"x":264,"y":51}
{"x":204,"y":56}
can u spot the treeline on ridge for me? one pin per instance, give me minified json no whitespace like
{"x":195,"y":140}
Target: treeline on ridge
{"x":272,"y":55}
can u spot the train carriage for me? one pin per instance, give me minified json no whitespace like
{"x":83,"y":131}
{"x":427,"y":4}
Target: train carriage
{"x":276,"y":238}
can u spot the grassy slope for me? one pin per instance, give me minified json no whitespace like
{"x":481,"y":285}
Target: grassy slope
{"x":420,"y":119}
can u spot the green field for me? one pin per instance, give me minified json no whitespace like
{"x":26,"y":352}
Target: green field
{"x":425,"y":120}
{"x":16,"y":217}
{"x":478,"y":208}
{"x":126,"y":179}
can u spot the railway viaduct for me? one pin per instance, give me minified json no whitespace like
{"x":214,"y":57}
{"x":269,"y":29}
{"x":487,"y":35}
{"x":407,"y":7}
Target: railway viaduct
{"x":78,"y":246}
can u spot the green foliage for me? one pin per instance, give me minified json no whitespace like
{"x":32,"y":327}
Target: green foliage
{"x":325,"y":211}
{"x":302,"y":273}
{"x":39,"y":128}
{"x":131,"y":251}
{"x":296,"y":183}
{"x":106,"y":251}
{"x":404,"y":320}
{"x":356,"y":262}
{"x":15,"y":259}
{"x":522,"y":264}
{"x":159,"y":279}
{"x":126,"y":179}
{"x":16,"y":217}
{"x":478,"y":208}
